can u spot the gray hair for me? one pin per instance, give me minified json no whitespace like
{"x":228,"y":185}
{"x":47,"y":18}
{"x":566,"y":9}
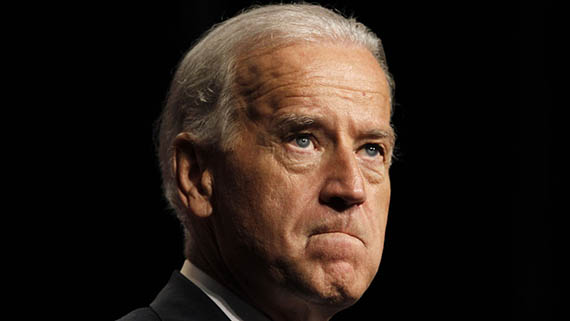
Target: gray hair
{"x":201,"y":101}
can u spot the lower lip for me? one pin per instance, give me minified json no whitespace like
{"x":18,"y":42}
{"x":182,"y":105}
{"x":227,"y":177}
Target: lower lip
{"x":335,"y":244}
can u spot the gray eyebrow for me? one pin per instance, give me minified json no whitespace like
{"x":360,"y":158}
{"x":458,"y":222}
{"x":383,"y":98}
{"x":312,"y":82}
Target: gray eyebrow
{"x":292,"y":122}
{"x":388,"y":134}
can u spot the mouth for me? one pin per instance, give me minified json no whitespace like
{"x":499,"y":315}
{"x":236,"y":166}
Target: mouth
{"x":339,"y":232}
{"x":339,"y":229}
{"x":335,"y":245}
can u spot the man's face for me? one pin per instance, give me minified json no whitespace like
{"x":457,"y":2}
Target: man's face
{"x":301,"y":200}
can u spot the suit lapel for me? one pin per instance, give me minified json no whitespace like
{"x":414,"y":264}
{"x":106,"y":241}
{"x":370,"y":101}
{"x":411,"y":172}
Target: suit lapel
{"x":181,"y":300}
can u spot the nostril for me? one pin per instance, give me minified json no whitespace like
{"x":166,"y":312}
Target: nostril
{"x":338,"y":204}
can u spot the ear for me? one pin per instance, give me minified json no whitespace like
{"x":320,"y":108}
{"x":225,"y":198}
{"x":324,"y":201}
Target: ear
{"x":193,"y":178}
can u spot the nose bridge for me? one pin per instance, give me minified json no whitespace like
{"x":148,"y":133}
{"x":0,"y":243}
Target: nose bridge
{"x":348,"y":171}
{"x":344,"y":177}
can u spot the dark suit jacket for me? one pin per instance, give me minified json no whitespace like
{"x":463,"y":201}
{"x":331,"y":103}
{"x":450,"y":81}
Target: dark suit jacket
{"x":179,"y":300}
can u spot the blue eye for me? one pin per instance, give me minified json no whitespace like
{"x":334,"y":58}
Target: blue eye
{"x":303,"y":141}
{"x":372,"y":150}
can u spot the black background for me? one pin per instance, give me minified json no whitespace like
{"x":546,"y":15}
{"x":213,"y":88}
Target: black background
{"x":471,"y":232}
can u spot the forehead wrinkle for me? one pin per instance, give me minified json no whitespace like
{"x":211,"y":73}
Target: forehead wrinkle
{"x":269,"y":81}
{"x":310,"y":94}
{"x":255,"y":72}
{"x":259,"y":78}
{"x":298,"y":79}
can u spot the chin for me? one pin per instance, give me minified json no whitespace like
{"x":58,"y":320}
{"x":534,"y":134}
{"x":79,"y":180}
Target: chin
{"x":336,"y":285}
{"x":345,"y":291}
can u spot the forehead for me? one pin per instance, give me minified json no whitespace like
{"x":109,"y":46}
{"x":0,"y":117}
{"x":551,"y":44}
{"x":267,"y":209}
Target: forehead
{"x":307,"y":76}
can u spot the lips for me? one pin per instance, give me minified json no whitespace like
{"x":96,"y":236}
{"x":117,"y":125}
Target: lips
{"x":351,"y":229}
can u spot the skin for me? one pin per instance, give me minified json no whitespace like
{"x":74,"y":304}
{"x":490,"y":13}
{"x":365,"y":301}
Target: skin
{"x":292,"y":218}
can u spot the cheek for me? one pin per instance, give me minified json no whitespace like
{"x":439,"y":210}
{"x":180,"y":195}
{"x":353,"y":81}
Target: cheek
{"x":264,"y":202}
{"x":377,"y":210}
{"x":282,"y":210}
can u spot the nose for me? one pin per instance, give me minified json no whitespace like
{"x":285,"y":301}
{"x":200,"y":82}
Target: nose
{"x":344,"y":185}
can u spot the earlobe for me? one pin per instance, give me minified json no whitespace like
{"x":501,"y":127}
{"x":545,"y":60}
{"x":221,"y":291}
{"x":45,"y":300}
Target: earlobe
{"x":193,"y":178}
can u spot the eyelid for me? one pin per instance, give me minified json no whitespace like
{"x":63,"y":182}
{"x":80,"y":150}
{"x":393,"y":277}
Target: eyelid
{"x":293,"y":136}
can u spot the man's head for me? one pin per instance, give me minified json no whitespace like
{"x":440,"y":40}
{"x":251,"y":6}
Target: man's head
{"x":275,"y":146}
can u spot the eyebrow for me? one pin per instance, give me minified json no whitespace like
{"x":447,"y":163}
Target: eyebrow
{"x":288,"y":123}
{"x":295,"y":122}
{"x":388,"y":135}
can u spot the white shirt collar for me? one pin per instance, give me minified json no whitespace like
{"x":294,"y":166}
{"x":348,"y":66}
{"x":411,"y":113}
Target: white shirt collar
{"x":234,"y":307}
